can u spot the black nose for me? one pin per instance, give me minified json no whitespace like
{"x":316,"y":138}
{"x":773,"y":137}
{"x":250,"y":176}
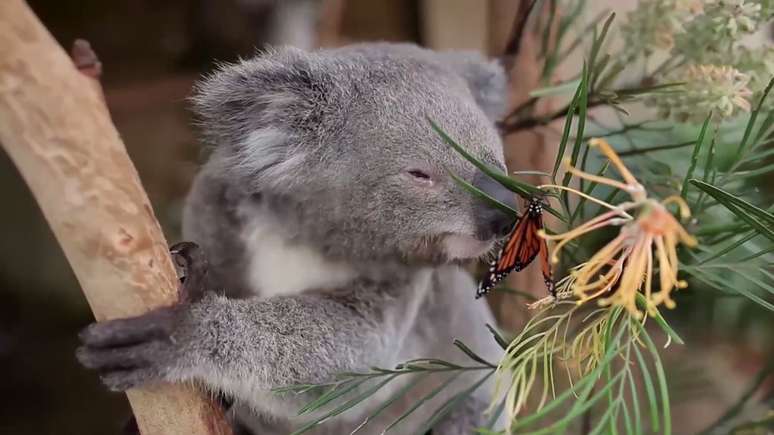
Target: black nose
{"x":492,"y":221}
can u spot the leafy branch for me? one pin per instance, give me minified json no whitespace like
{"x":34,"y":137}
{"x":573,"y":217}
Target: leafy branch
{"x":351,"y":389}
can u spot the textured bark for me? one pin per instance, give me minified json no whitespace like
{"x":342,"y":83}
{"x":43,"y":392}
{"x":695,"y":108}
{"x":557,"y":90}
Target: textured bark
{"x":56,"y":128}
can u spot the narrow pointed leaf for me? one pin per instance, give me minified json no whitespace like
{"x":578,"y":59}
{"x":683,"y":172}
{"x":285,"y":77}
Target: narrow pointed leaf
{"x":523,"y":189}
{"x":695,"y":155}
{"x":756,"y":217}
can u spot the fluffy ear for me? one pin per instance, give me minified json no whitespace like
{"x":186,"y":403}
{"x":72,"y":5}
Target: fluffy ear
{"x":256,"y":111}
{"x":486,"y":79}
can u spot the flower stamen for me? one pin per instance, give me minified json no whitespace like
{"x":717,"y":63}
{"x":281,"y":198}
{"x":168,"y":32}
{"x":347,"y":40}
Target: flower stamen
{"x":624,"y":266}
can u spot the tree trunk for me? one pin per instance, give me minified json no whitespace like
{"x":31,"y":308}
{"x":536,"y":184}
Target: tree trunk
{"x":56,"y":128}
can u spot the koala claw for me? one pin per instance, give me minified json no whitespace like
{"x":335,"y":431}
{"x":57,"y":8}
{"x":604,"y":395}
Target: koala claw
{"x":191,"y":259}
{"x":130,"y":352}
{"x":123,"y":332}
{"x":134,"y":351}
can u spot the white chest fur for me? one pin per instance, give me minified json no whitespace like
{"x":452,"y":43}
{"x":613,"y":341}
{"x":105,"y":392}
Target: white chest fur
{"x":279,"y":268}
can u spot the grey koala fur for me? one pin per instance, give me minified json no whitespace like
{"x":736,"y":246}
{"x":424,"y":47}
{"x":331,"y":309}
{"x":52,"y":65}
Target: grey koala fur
{"x":334,"y":234}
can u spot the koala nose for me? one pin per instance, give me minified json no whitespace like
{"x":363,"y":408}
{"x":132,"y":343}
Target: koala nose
{"x":491,"y":221}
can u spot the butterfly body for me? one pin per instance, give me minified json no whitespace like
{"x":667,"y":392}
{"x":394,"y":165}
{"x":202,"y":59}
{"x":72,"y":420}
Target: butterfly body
{"x":523,"y":245}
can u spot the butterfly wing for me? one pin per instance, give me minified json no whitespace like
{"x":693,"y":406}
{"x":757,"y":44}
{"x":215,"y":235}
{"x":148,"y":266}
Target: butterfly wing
{"x":524,"y":244}
{"x":517,"y":253}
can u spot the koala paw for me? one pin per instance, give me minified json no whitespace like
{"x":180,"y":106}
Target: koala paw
{"x":131,"y":352}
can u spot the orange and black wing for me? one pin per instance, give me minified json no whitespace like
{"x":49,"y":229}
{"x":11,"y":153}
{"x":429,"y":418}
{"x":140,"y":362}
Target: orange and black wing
{"x":523,"y":245}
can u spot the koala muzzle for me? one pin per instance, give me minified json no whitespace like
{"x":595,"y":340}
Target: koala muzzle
{"x":490,"y":220}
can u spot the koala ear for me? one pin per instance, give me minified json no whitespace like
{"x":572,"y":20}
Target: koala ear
{"x":486,"y":79}
{"x":255,"y":110}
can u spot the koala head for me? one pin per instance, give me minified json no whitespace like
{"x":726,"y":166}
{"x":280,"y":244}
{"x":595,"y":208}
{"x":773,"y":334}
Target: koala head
{"x":337,"y":146}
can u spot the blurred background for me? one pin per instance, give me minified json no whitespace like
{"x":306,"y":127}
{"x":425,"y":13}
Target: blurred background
{"x":152,"y":53}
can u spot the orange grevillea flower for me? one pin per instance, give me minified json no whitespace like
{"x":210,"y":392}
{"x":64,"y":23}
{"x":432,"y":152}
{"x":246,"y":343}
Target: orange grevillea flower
{"x":648,"y":239}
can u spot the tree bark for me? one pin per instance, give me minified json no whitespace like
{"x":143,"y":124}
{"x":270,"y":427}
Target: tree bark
{"x":57,"y":130}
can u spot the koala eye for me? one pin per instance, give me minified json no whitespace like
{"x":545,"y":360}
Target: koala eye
{"x":419,"y":177}
{"x":419,"y":174}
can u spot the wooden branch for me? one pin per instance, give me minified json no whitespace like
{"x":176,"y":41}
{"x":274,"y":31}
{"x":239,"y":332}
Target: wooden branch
{"x":57,"y":130}
{"x":512,"y":47}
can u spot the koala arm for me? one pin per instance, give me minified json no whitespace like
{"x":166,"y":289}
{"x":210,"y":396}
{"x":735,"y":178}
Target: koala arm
{"x":249,"y":345}
{"x":464,"y":419}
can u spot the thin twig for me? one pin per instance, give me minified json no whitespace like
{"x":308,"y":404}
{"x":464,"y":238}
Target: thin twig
{"x":743,"y":399}
{"x":528,"y":123}
{"x":513,"y":46}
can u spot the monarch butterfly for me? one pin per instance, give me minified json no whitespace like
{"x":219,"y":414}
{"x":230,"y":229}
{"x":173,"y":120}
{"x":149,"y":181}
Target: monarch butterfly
{"x":522,"y":247}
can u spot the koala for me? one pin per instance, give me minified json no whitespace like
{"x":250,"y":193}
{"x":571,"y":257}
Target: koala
{"x":335,"y":234}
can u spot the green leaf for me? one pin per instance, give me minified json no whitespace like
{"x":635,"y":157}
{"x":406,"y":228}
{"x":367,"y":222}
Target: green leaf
{"x":392,"y":399}
{"x":662,"y":381}
{"x":422,"y":401}
{"x":598,"y":69}
{"x":757,"y":172}
{"x":582,"y":34}
{"x":650,"y":390}
{"x":721,"y":283}
{"x":331,"y":395}
{"x":695,"y":155}
{"x":712,"y":230}
{"x":589,"y":190}
{"x":583,"y":104}
{"x":501,"y":341}
{"x":568,"y":123}
{"x":483,"y":195}
{"x":451,"y":405}
{"x":662,"y":323}
{"x":540,"y":173}
{"x":559,"y":89}
{"x":746,"y":238}
{"x":496,"y":415}
{"x":642,"y":90}
{"x":472,"y":355}
{"x":584,"y":385}
{"x":606,"y":421}
{"x":672,"y":146}
{"x":751,"y":123}
{"x":759,"y":156}
{"x":708,"y":168}
{"x":580,"y":407}
{"x":597,"y":45}
{"x":635,"y":403}
{"x":756,"y":217}
{"x":608,"y":79}
{"x":765,"y":128}
{"x":346,"y":406}
{"x":607,"y":337}
{"x":627,"y":418}
{"x":757,"y":254}
{"x":523,"y":189}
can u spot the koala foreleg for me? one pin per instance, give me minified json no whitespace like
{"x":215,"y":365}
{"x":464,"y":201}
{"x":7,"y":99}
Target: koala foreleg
{"x":464,"y":419}
{"x":242,"y":347}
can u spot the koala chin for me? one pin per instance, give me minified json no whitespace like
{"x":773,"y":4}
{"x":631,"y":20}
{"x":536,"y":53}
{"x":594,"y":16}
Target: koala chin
{"x":334,"y":233}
